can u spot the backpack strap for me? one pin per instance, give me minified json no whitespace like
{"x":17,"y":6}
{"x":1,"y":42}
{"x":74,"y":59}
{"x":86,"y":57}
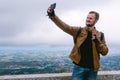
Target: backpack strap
{"x":102,"y":35}
{"x":79,"y":31}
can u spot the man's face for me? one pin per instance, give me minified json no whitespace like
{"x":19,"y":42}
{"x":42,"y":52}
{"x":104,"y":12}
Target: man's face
{"x":91,"y":20}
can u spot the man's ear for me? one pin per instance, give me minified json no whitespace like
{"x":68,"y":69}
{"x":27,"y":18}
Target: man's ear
{"x":96,"y":21}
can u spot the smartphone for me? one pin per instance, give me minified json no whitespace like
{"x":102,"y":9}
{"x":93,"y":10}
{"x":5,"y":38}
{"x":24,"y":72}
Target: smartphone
{"x":52,"y":6}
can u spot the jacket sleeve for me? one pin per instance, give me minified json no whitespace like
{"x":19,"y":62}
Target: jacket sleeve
{"x":102,"y":47}
{"x":72,"y":30}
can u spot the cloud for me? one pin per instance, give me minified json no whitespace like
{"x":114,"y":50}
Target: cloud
{"x":25,"y":22}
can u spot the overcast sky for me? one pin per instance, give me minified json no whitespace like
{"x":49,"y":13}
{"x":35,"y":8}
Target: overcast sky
{"x":24,"y":22}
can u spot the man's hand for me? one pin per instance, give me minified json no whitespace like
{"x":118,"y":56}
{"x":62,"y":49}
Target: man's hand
{"x":51,"y":11}
{"x":96,"y":35}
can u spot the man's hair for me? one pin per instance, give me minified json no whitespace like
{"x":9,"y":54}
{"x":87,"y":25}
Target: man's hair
{"x":96,"y":14}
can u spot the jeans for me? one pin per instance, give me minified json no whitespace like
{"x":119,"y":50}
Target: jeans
{"x":80,"y":73}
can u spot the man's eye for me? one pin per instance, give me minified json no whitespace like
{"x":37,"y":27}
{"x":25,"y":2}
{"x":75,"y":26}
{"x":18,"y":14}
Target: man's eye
{"x":90,"y":18}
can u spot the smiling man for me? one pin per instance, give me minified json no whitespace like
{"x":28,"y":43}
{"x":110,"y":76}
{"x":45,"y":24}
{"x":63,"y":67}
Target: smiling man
{"x":89,"y":43}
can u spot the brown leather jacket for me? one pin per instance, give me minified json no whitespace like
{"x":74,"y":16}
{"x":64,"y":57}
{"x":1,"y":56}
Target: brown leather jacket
{"x":98,"y":49}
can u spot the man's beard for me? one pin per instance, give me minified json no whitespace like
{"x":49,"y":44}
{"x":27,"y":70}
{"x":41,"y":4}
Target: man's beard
{"x":89,"y":25}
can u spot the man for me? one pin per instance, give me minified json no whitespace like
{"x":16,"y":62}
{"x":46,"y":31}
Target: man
{"x":89,"y":44}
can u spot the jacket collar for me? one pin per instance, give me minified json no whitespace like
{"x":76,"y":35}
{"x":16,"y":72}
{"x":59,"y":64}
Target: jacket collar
{"x":89,"y":28}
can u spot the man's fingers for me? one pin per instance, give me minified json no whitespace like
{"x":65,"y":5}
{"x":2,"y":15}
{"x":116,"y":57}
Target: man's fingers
{"x":49,"y":10}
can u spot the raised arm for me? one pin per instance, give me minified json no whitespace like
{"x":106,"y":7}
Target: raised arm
{"x":72,"y":30}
